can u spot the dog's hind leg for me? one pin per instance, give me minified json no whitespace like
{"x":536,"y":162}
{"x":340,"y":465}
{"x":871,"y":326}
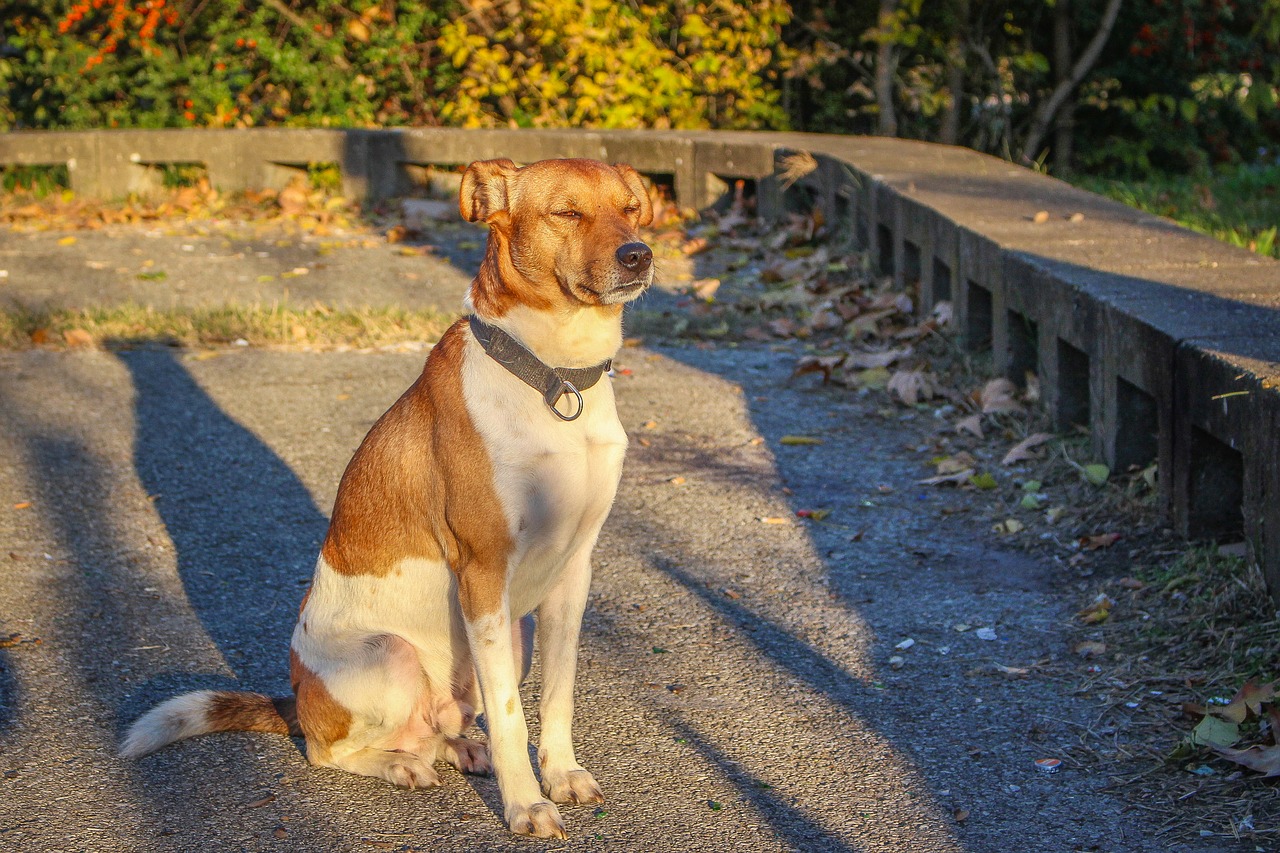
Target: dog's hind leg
{"x":368,"y":710}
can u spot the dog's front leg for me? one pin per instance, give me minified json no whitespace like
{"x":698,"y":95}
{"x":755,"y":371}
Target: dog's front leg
{"x":524,"y":808}
{"x":559,"y":622}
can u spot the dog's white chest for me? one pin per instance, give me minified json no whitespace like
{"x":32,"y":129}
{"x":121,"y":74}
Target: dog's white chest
{"x":556,"y":480}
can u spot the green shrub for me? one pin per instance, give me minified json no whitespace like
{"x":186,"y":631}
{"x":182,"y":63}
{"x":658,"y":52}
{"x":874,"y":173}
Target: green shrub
{"x":240,"y":63}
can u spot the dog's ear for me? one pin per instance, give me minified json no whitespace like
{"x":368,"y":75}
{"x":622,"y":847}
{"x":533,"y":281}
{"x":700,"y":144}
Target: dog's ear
{"x":632,"y":179}
{"x":484,"y":189}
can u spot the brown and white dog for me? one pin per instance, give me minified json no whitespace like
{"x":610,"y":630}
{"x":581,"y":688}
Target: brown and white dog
{"x":473,"y":502}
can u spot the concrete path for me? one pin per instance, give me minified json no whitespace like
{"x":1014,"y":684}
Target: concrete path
{"x":160,"y":511}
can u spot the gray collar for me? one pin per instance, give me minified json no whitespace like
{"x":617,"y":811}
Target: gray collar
{"x":551,"y":382}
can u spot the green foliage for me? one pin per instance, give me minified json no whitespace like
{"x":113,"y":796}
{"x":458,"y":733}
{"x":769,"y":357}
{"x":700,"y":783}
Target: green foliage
{"x":239,"y":63}
{"x":1180,"y":84}
{"x":574,"y":63}
{"x":1239,"y":205}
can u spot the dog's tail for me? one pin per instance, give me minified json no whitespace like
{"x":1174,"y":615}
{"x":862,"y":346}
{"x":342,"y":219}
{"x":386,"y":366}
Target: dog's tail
{"x":208,"y":711}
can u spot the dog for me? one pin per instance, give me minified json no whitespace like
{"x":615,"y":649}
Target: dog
{"x":473,"y":503}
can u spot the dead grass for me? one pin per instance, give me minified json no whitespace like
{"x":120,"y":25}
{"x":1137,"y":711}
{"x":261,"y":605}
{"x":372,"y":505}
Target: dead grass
{"x":254,"y":325}
{"x":1189,"y":625}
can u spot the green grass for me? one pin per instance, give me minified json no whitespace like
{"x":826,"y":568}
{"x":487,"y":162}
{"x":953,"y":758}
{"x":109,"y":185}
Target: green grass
{"x":275,"y":325}
{"x":1240,"y":206}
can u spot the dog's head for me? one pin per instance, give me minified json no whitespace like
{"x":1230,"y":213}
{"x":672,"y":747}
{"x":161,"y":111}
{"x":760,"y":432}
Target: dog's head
{"x":560,"y":230}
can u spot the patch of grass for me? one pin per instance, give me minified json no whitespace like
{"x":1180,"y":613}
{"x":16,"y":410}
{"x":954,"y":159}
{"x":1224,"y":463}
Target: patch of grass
{"x":1240,"y":206}
{"x":38,"y":181}
{"x":276,"y":326}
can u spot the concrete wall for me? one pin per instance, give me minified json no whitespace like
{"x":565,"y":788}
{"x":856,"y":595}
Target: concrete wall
{"x":1164,"y":344}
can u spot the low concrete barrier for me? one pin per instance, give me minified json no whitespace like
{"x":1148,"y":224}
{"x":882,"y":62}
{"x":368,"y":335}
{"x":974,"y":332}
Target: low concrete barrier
{"x":1165,"y":344}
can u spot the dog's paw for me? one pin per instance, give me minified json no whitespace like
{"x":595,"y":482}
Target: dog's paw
{"x":467,"y":755}
{"x":541,"y":819}
{"x":571,"y":786}
{"x":409,"y":771}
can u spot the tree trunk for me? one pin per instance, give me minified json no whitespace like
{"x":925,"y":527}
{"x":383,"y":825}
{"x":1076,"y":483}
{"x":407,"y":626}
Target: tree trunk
{"x":1064,"y":127}
{"x":950,"y":131}
{"x":1044,"y":116}
{"x":886,"y":62}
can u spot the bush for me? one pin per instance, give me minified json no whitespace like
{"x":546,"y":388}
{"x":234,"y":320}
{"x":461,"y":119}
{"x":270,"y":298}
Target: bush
{"x":240,"y":63}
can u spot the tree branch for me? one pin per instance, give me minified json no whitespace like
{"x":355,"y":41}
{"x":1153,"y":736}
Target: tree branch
{"x":1088,"y":58}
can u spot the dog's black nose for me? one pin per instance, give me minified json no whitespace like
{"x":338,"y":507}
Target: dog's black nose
{"x":635,"y":256}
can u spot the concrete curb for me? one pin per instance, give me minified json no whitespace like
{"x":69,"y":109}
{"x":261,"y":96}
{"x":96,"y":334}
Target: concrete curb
{"x":1165,"y":343}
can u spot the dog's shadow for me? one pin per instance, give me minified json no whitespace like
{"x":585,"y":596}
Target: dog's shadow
{"x":244,"y":527}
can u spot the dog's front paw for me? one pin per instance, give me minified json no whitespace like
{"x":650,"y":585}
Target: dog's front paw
{"x":571,"y":786}
{"x":541,"y":819}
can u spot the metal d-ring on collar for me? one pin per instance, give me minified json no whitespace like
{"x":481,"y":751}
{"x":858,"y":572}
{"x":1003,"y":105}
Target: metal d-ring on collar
{"x":551,"y":382}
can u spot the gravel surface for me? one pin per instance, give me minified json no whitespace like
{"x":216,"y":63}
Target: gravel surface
{"x":160,"y":511}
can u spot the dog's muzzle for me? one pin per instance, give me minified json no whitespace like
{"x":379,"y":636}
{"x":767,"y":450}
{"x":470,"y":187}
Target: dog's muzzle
{"x":636,"y":261}
{"x":635,"y":257}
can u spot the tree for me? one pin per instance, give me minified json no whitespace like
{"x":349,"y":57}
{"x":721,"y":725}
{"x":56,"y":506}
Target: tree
{"x":1067,"y":84}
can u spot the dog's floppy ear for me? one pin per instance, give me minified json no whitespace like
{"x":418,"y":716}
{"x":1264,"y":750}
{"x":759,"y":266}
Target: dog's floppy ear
{"x":632,"y":179}
{"x":484,"y":189}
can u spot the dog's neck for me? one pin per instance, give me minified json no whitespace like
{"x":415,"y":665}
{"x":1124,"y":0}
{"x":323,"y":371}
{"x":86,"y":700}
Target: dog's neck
{"x":559,"y":333}
{"x":564,"y":337}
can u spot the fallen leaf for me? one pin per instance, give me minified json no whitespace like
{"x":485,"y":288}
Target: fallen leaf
{"x":1098,"y":610}
{"x":867,"y":360}
{"x":986,"y":482}
{"x":971,"y":425}
{"x":912,"y":386}
{"x":799,"y":440}
{"x":823,"y":364}
{"x":1248,"y":698}
{"x":961,"y":815}
{"x":943,"y":479}
{"x":267,"y":800}
{"x":22,"y":505}
{"x":999,"y":395}
{"x":959,"y":462}
{"x":1009,"y":526}
{"x":1090,"y":649}
{"x":783,"y":327}
{"x":1216,"y":733}
{"x":676,"y":481}
{"x":1021,"y":451}
{"x":293,"y":198}
{"x":772,"y":519}
{"x":66,"y":241}
{"x":1131,"y":583}
{"x":705,"y":288}
{"x":78,"y":338}
{"x":1041,"y":217}
{"x":1097,"y":473}
{"x":1264,"y":759}
{"x":942,"y":313}
{"x":1101,"y":540}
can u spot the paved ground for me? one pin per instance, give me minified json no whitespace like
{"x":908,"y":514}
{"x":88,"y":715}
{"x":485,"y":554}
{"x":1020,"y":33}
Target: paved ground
{"x":735,"y":690}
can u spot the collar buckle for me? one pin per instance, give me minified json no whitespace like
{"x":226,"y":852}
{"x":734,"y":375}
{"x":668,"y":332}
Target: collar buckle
{"x":554,"y":397}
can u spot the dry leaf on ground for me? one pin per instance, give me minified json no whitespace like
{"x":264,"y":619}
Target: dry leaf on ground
{"x":971,"y":425}
{"x":912,"y":386}
{"x":1022,"y":451}
{"x":999,"y":395}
